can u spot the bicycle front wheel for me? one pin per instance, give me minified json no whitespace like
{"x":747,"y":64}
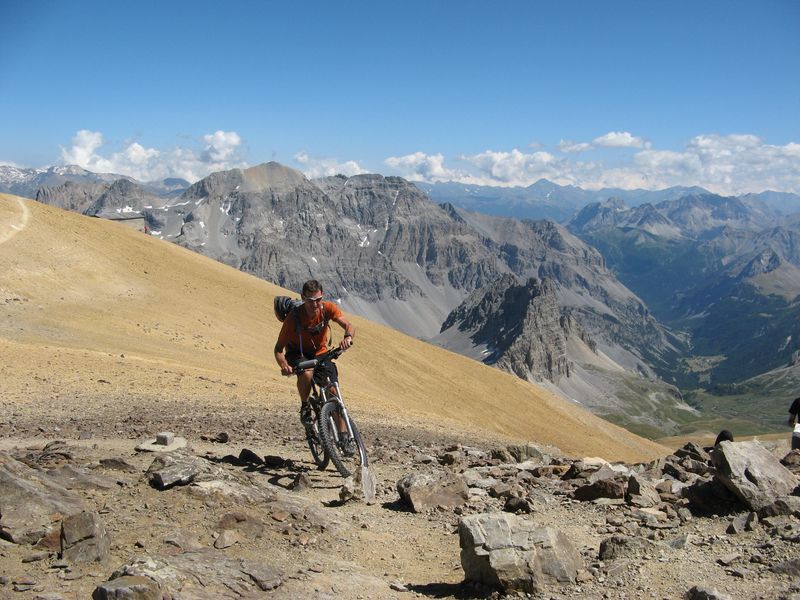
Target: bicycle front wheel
{"x":314,"y":440}
{"x":336,"y":443}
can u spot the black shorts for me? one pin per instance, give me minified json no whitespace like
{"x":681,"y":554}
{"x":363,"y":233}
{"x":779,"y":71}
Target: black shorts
{"x":323,"y":376}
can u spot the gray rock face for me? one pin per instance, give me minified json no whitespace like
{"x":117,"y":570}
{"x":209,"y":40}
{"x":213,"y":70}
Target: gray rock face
{"x":752,"y":473}
{"x":28,"y":500}
{"x":521,"y":324}
{"x":422,"y":491}
{"x":511,"y":553}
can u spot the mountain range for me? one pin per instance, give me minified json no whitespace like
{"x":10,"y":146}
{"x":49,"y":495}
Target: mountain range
{"x":527,"y":296}
{"x":547,"y":200}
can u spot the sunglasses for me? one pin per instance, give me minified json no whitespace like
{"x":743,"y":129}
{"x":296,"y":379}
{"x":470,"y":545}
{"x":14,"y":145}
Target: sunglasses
{"x":318,"y":299}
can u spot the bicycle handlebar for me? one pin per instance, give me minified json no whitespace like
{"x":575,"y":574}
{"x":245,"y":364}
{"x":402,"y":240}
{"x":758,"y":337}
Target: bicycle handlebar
{"x":311,"y":363}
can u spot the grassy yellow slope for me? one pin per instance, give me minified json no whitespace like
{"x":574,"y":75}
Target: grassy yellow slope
{"x":96,"y":317}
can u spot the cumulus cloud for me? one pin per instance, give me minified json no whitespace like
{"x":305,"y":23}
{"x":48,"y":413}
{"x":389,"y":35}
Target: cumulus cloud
{"x":515,"y":167}
{"x":314,"y":168}
{"x":423,"y":167}
{"x":219,"y":151}
{"x":620,"y":139}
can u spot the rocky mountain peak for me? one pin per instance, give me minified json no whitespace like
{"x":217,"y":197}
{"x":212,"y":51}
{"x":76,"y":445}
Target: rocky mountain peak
{"x":272,"y":176}
{"x":521,"y":326}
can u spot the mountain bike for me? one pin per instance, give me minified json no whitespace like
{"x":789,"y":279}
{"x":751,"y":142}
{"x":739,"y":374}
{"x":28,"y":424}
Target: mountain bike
{"x":325,"y":440}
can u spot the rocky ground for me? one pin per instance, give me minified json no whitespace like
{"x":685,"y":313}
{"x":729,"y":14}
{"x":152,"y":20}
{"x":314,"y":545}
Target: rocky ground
{"x":86,"y":515}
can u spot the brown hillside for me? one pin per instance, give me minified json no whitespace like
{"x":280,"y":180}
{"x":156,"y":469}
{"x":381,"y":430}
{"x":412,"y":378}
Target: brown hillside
{"x":99,"y":321}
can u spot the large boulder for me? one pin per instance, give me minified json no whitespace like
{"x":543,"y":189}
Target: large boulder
{"x":752,"y":473}
{"x":513,"y":554}
{"x":31,"y":504}
{"x":422,"y":491}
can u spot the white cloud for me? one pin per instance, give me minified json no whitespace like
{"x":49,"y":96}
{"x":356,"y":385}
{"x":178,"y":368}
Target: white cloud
{"x":222,"y":151}
{"x":84,"y":145}
{"x":620,"y":139}
{"x":314,"y":168}
{"x":573,"y":147}
{"x":724,"y":164}
{"x":425,"y":167}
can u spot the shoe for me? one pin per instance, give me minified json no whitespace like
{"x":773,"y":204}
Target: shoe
{"x":349,"y":447}
{"x":307,"y":417}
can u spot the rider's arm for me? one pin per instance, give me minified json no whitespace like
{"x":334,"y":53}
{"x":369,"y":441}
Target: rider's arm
{"x":349,"y":332}
{"x":281,"y":359}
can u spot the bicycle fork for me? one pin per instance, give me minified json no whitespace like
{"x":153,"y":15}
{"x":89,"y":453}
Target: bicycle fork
{"x":342,"y":412}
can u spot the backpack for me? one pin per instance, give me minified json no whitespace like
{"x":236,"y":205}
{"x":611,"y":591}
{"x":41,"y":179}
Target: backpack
{"x":283,"y":305}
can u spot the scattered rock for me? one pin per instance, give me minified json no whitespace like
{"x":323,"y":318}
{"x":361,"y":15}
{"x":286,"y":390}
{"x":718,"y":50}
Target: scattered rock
{"x":181,"y":468}
{"x":226,"y":539}
{"x":264,"y":576}
{"x":248,"y":526}
{"x":247,"y":456}
{"x":118,"y":464}
{"x":423,"y":491}
{"x":705,"y":593}
{"x":621,"y":546}
{"x":602,"y":488}
{"x":301,"y":483}
{"x":789,"y":567}
{"x":274,"y":462}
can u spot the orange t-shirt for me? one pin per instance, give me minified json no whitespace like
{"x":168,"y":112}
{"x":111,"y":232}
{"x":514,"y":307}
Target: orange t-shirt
{"x":314,"y":335}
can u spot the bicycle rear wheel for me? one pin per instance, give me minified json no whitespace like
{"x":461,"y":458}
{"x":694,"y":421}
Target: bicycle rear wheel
{"x":334,"y":441}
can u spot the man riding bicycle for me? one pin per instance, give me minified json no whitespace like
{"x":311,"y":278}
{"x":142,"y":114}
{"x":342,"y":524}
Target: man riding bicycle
{"x":304,"y":335}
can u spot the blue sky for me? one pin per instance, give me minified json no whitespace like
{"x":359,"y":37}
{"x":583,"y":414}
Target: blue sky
{"x":627,"y":94}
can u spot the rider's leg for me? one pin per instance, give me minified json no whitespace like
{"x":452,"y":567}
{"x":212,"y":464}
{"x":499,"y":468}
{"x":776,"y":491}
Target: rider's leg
{"x":304,"y":389}
{"x":304,"y":385}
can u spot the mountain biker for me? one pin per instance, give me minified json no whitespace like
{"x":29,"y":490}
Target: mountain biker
{"x":309,"y":338}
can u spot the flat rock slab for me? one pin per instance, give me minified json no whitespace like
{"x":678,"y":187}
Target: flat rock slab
{"x":513,"y":554}
{"x":75,"y":478}
{"x":753,"y":474}
{"x":205,"y":574}
{"x":31,"y":503}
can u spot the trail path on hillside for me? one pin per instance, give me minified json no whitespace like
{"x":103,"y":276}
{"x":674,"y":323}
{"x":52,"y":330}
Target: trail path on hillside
{"x":10,"y":224}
